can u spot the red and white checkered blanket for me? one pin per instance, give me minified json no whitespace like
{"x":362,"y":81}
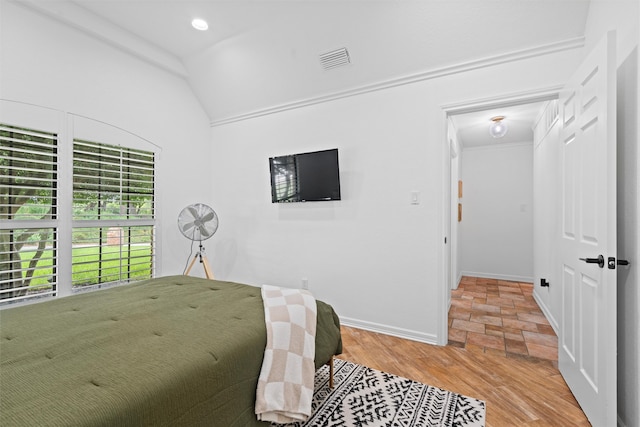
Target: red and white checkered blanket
{"x":285,"y":385}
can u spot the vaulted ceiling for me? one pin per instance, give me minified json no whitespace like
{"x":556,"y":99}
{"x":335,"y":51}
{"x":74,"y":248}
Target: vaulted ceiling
{"x":258,"y":54}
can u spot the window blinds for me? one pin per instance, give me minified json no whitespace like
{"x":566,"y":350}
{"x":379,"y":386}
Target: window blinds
{"x":112,"y":182}
{"x":113,"y":213}
{"x":109,"y":209}
{"x":28,"y":173}
{"x":29,"y":181}
{"x":112,"y":255}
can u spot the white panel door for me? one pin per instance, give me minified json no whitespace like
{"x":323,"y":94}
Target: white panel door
{"x":587,"y":339}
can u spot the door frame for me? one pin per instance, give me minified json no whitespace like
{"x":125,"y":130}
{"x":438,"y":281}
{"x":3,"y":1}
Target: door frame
{"x":470,"y":106}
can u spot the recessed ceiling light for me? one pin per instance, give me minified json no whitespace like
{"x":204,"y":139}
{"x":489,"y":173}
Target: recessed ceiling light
{"x":200,"y":24}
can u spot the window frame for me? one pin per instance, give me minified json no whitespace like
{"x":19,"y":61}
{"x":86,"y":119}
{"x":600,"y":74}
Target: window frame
{"x":106,"y":170}
{"x":68,"y":126}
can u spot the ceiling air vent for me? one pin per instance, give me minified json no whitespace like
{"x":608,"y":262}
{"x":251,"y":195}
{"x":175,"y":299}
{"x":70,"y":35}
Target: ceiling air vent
{"x":335,"y":58}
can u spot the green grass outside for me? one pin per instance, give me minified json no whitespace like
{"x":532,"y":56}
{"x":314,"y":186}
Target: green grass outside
{"x":87,"y":264}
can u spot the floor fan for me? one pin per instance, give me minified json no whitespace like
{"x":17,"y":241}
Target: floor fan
{"x":198,"y":222}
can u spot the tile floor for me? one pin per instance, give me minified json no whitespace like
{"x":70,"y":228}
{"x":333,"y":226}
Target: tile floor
{"x":500,"y":317}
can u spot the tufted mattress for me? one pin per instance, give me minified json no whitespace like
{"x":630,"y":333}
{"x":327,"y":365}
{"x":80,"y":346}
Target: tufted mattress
{"x":164,"y":352}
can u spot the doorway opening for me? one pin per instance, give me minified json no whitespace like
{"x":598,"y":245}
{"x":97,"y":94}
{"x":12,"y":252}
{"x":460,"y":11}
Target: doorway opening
{"x":490,"y":222}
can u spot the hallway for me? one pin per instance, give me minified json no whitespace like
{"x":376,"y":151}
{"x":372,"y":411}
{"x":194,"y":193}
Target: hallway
{"x":501,"y":318}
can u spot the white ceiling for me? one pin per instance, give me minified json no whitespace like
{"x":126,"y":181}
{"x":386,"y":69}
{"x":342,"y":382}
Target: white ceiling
{"x":262,"y":53}
{"x":451,"y":29}
{"x":473,"y":128}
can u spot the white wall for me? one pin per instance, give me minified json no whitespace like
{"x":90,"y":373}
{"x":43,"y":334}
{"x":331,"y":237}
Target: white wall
{"x":546,"y":178}
{"x":373,"y":255}
{"x":496,"y":232}
{"x":456,"y":164}
{"x":49,"y":64}
{"x":353,"y":252}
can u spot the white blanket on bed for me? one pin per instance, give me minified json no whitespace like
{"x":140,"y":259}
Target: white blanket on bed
{"x":285,"y":385}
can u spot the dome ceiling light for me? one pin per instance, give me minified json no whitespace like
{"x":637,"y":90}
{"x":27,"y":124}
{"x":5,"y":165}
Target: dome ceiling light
{"x":498,"y":129}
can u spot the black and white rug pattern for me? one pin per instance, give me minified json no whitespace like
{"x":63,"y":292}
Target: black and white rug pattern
{"x":365,"y":397}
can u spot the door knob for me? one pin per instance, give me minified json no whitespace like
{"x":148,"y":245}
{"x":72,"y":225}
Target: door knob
{"x":599,"y":261}
{"x":613,"y":262}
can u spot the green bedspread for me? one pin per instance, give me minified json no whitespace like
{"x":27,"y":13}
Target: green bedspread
{"x":164,"y":352}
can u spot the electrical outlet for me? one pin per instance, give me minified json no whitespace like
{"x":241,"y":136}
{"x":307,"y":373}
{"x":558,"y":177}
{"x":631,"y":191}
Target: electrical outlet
{"x":305,"y":283}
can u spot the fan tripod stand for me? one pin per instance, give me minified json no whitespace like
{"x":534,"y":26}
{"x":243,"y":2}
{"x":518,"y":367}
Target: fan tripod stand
{"x":203,"y":260}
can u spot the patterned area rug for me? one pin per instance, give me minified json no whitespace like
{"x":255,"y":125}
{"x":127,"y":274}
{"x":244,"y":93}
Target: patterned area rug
{"x":366,"y":397}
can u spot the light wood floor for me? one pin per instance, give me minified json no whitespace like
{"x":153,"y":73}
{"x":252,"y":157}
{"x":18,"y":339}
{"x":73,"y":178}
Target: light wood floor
{"x":517,"y":391}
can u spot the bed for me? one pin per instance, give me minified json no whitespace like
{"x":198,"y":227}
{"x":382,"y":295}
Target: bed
{"x":168,"y":351}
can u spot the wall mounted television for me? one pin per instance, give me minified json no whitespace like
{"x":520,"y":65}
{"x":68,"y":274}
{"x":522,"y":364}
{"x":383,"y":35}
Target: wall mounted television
{"x":305,"y":177}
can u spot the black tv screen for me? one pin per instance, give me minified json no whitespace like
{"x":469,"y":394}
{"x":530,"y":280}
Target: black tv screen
{"x":305,"y":177}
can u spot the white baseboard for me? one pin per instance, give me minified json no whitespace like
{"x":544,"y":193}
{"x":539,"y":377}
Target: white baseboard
{"x":547,"y":313}
{"x":390,"y":330}
{"x":507,"y":277}
{"x":458,"y":280}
